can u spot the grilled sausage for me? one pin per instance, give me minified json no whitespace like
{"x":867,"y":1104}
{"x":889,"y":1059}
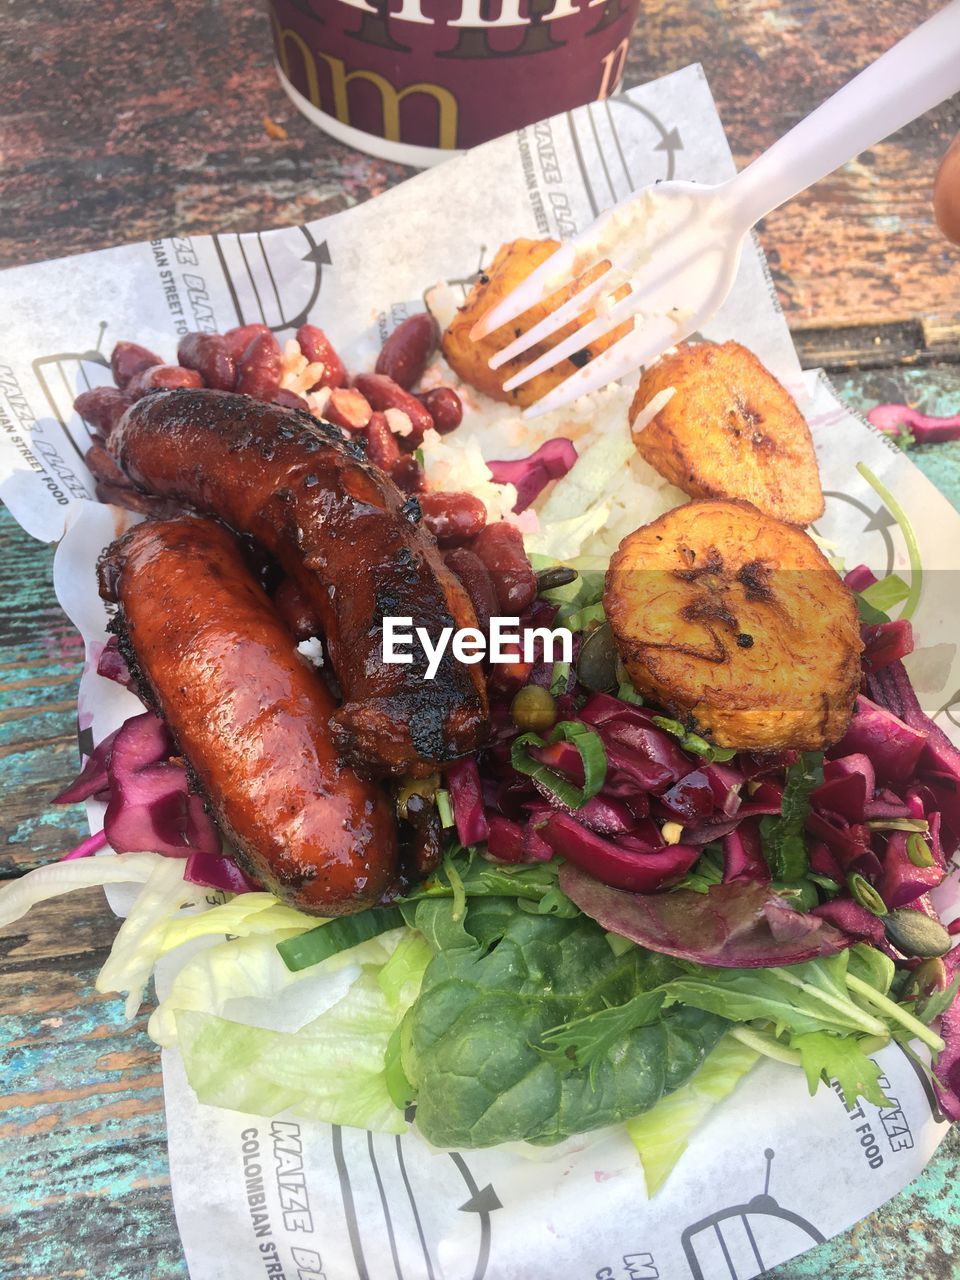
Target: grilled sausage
{"x":351,"y":542}
{"x":249,"y":715}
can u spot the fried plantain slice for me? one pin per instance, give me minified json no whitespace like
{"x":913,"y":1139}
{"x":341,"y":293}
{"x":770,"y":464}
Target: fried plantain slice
{"x":731,"y":430}
{"x":736,"y":623}
{"x":470,"y":360}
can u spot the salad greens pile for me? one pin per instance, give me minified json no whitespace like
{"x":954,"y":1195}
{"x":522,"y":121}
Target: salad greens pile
{"x":485,"y":1045}
{"x":488,"y":1001}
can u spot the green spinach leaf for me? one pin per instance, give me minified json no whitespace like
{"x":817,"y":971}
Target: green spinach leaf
{"x":479,"y":1044}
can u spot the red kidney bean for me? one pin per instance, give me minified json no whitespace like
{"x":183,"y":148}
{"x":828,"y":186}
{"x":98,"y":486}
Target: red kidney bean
{"x":500,"y":547}
{"x":404,"y":355}
{"x":348,"y":409}
{"x":445,"y":408}
{"x":477,"y":583}
{"x":382,"y":448}
{"x":208,"y":354}
{"x":290,"y":400}
{"x":408,"y":475}
{"x":237,"y":340}
{"x":101,"y":408}
{"x":128,"y":360}
{"x":453,"y":518}
{"x":318,"y":349}
{"x":260,"y":367}
{"x":103,"y":467}
{"x":383,"y":393}
{"x":165,"y":377}
{"x":296,"y":610}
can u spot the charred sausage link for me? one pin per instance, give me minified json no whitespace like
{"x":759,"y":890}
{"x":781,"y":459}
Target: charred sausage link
{"x":249,"y":715}
{"x":352,"y":543}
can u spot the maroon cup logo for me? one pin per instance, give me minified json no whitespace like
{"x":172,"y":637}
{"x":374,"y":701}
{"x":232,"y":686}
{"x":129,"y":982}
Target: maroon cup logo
{"x":412,"y":80}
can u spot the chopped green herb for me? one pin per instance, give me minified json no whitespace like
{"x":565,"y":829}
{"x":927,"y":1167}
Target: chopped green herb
{"x":578,"y":619}
{"x":782,"y":836}
{"x":865,"y":894}
{"x":693,"y":742}
{"x":590,"y":748}
{"x":444,"y":808}
{"x":559,"y":678}
{"x":627,"y":693}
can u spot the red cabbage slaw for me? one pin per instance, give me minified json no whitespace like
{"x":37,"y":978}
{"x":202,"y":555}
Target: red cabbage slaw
{"x":150,"y":805}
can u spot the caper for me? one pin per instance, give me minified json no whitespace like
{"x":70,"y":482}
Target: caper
{"x":533,"y":709}
{"x":423,"y":787}
{"x":597,"y":661}
{"x":915,"y":933}
{"x":558,"y":575}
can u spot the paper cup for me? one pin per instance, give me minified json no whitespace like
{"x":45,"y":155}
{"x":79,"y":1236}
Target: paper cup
{"x":419,"y":80}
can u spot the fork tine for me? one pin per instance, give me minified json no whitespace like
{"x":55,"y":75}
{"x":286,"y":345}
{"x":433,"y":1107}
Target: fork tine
{"x":572,"y":309}
{"x":544,"y":280}
{"x":632,"y":351}
{"x":609,"y":318}
{"x":576,"y":342}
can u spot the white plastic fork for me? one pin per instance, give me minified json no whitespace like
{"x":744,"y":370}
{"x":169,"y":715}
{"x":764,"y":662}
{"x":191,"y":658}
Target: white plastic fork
{"x":676,"y":246}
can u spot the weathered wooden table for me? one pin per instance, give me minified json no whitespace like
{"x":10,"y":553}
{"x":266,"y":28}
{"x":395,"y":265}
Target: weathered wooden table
{"x":121,"y":122}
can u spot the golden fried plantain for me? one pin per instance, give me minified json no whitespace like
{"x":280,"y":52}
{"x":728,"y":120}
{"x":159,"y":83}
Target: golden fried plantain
{"x":470,"y":360}
{"x":729,"y":431}
{"x":736,"y":623}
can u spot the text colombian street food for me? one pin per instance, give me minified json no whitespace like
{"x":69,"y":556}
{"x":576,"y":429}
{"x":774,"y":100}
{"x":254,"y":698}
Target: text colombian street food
{"x":693,"y":816}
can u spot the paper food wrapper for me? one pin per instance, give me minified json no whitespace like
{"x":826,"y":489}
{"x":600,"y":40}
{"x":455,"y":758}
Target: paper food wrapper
{"x":772,"y":1171}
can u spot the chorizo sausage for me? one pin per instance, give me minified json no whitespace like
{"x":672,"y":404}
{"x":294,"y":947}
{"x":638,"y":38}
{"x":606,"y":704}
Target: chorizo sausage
{"x":352,"y":543}
{"x":249,"y":715}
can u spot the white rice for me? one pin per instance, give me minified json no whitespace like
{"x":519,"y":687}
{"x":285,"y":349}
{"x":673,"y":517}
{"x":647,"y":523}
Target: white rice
{"x":609,"y":492}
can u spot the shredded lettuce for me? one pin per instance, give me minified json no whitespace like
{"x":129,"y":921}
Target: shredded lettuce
{"x":401,"y":976}
{"x":244,"y":968}
{"x":661,"y":1134}
{"x":18,"y":896}
{"x":250,"y":970}
{"x":241,"y":916}
{"x":333,"y":1069}
{"x":139,"y":941}
{"x":593,"y":472}
{"x":562,"y":539}
{"x":583,"y":489}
